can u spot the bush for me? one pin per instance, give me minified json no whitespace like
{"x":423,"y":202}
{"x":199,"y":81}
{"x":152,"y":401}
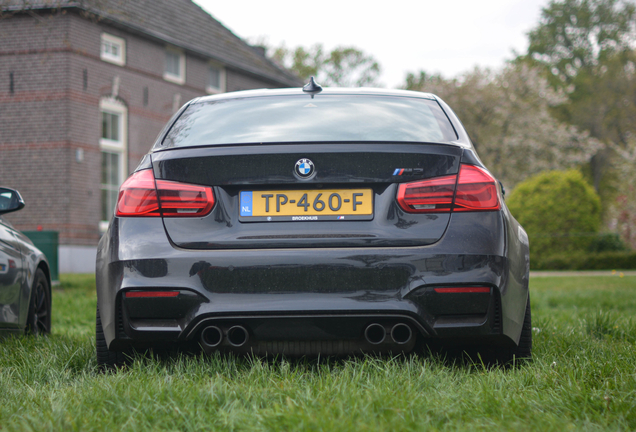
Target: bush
{"x":582,"y":261}
{"x":559,"y":210}
{"x":607,"y":242}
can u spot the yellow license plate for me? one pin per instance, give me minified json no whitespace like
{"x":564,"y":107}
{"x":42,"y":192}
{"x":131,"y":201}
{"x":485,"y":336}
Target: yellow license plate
{"x":307,"y":205}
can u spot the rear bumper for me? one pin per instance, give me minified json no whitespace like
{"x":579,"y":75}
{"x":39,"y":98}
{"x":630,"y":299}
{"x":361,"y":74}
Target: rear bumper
{"x":289,"y":299}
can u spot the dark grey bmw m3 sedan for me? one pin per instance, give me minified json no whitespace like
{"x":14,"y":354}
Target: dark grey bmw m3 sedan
{"x":313,"y":221}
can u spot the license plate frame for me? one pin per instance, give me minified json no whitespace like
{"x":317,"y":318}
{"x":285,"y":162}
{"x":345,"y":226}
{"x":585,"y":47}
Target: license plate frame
{"x":305,"y":205}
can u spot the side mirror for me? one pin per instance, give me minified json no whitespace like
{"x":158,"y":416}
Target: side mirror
{"x":10,"y":201}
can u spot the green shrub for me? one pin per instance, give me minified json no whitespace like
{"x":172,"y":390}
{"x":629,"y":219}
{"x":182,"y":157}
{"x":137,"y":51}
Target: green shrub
{"x":559,"y":210}
{"x":585,"y":261}
{"x":607,"y":242}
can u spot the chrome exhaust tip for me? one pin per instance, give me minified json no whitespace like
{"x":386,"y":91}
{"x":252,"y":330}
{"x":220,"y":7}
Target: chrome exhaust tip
{"x":211,"y":336}
{"x":401,"y":333}
{"x":237,"y":336}
{"x":375,"y":333}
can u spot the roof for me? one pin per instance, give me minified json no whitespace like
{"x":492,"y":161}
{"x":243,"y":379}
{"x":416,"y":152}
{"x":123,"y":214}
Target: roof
{"x":325,"y":91}
{"x":177,"y":22}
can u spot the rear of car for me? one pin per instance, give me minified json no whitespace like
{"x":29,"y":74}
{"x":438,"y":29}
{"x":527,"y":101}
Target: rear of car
{"x":280,"y":222}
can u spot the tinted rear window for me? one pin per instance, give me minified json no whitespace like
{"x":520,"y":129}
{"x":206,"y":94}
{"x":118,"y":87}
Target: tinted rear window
{"x":326,"y":118}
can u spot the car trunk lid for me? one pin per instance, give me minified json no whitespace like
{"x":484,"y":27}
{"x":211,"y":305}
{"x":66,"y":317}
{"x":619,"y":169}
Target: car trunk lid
{"x":339,"y":171}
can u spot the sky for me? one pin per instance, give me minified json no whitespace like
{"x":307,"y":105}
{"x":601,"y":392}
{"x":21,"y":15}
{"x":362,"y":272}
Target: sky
{"x":448,"y":37}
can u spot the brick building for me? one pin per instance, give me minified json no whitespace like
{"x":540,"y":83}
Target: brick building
{"x":86,"y":86}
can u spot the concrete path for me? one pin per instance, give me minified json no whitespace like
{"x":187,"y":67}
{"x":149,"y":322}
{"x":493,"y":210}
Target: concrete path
{"x":585,"y":273}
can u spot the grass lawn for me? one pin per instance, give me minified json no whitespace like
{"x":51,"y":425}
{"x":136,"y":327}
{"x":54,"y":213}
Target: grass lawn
{"x":583,"y":377}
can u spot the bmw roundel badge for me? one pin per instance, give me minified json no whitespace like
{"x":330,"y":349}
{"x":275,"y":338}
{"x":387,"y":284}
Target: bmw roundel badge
{"x":304,"y":168}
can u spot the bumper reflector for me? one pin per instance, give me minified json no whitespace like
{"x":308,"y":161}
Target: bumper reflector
{"x":463,"y":290}
{"x":133,"y":294}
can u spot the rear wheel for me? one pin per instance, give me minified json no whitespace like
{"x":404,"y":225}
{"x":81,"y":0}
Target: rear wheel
{"x":106,"y":359}
{"x":39,"y":316}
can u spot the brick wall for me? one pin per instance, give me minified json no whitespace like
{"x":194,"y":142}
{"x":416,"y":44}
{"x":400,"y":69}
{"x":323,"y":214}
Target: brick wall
{"x":50,"y":115}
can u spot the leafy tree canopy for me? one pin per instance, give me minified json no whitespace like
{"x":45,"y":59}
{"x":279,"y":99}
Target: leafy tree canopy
{"x":575,"y":35}
{"x":586,"y":48}
{"x":508,"y":117}
{"x":341,"y":67}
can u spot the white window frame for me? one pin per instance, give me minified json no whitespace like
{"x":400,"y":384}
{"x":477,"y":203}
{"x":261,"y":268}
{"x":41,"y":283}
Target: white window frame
{"x":120,"y":59}
{"x":120,"y":146}
{"x":168,"y":76}
{"x":221,"y":88}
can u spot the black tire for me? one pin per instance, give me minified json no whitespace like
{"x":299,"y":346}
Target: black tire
{"x":106,"y":360}
{"x":39,"y":316}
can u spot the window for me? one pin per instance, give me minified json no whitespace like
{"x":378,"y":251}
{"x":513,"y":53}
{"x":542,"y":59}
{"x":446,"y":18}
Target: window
{"x":216,"y":79}
{"x":113,"y":155}
{"x":333,"y":118}
{"x":113,"y":49}
{"x":111,"y":180}
{"x":175,"y":66}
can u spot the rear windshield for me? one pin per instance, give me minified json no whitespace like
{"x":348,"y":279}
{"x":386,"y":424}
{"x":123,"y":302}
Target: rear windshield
{"x":326,"y":118}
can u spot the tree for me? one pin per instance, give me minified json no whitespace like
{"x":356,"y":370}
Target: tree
{"x":342,"y":67}
{"x":575,"y":36}
{"x":585,"y":48}
{"x":507,"y":115}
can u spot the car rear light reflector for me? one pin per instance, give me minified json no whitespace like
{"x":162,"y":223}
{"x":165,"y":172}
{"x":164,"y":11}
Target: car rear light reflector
{"x":462,"y":290}
{"x":427,"y":196}
{"x":179,"y":199}
{"x":153,"y":294}
{"x":141,"y":195}
{"x":476,"y":190}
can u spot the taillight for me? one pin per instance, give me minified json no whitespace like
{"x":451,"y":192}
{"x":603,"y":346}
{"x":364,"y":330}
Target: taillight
{"x":475,"y":190}
{"x":180,"y":199}
{"x":142,"y":195}
{"x":138,"y":196}
{"x":427,"y":196}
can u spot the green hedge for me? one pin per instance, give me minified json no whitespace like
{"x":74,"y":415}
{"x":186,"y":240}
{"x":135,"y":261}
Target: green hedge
{"x":559,"y":211}
{"x":583,"y":261}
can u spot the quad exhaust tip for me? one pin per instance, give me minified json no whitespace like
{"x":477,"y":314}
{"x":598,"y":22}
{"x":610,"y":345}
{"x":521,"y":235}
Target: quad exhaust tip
{"x":401,"y":333}
{"x":237,"y":336}
{"x":375,"y":333}
{"x":211,"y":336}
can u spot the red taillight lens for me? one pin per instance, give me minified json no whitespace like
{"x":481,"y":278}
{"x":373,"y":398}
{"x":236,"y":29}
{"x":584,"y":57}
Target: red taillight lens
{"x":427,"y":196}
{"x":476,"y":191}
{"x":140,"y":195}
{"x":179,"y":199}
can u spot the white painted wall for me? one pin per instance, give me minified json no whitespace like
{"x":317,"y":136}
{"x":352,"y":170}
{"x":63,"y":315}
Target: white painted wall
{"x":76,"y":259}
